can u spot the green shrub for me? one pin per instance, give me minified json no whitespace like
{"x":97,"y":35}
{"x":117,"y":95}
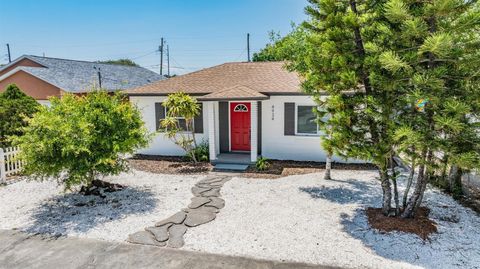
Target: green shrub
{"x":78,"y":139}
{"x":262,"y":164}
{"x":201,"y":152}
{"x":15,"y":108}
{"x":182,"y":133}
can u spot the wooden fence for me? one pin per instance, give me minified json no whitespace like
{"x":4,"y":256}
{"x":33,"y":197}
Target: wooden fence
{"x":10,"y":163}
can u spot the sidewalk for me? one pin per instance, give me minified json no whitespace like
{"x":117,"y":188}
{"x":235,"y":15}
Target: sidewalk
{"x":19,"y":250}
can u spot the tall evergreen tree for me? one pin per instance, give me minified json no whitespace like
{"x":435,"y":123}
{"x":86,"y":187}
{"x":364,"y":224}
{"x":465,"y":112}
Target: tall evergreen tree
{"x":15,"y":108}
{"x":434,"y":59}
{"x":343,"y":49}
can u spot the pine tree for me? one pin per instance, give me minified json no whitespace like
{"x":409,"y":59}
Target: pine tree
{"x":434,"y":55}
{"x":345,"y":42}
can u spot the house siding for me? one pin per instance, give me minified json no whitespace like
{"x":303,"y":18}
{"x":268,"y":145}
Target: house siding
{"x":277,"y":145}
{"x":161,"y":145}
{"x":23,"y":62}
{"x":30,"y":85}
{"x":273,"y":142}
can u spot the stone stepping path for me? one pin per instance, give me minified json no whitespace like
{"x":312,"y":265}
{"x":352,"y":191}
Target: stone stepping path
{"x":202,"y":209}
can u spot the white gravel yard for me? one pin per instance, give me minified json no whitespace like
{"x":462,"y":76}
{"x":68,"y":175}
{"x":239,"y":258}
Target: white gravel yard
{"x":43,"y":207}
{"x":297,"y":218}
{"x":307,"y":219}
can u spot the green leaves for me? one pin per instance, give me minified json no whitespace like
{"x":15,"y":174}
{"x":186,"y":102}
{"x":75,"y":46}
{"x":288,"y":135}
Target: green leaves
{"x":15,"y":110}
{"x":80,"y":137}
{"x":181,"y":108}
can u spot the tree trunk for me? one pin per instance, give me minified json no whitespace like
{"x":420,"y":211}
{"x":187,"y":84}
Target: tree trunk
{"x":328,"y":167}
{"x":395,"y":187}
{"x":409,"y":183}
{"x":455,"y":180}
{"x":418,"y":191}
{"x":387,"y":192}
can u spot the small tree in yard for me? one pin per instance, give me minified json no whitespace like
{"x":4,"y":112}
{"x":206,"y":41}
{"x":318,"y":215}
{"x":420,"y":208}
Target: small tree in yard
{"x":178,"y":123}
{"x":15,"y":108}
{"x":80,"y":138}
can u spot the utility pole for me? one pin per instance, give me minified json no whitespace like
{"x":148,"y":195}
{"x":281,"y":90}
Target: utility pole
{"x":8,"y":51}
{"x":168,"y":61}
{"x":99,"y":76}
{"x":248,"y":46}
{"x":160,"y":48}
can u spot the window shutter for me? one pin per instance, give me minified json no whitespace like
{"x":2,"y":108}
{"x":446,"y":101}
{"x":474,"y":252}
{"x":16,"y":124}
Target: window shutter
{"x":159,"y":114}
{"x":198,"y":121}
{"x":289,"y":119}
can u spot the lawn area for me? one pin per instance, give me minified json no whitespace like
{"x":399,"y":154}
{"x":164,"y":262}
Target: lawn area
{"x":300,"y":218}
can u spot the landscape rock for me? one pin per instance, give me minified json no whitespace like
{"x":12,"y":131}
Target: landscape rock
{"x":197,"y":191}
{"x":177,"y":218}
{"x":144,"y":238}
{"x":160,"y":233}
{"x":198,"y":202}
{"x":195,"y":218}
{"x":210,"y":193}
{"x":216,"y":202}
{"x":176,"y":233}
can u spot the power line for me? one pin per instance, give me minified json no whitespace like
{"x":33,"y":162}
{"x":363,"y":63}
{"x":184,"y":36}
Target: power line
{"x":150,"y":53}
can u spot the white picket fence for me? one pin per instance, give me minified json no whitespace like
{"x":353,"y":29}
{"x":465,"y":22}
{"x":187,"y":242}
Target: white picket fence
{"x":10,"y":163}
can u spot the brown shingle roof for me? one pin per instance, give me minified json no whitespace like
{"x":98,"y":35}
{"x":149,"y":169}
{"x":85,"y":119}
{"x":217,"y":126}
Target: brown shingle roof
{"x":234,"y":93}
{"x":261,"y":77}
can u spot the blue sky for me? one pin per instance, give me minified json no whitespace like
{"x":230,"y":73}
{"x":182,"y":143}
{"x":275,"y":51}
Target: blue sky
{"x":200,"y":33}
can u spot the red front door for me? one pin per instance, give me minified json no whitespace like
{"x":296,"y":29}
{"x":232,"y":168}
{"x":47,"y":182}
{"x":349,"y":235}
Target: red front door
{"x":240,"y":126}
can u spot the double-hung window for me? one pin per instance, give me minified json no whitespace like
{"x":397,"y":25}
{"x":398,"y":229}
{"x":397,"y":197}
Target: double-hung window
{"x":181,"y":122}
{"x":306,"y":120}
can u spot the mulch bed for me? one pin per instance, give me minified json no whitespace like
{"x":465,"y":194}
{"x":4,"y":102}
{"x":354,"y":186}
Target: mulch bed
{"x":421,"y":225}
{"x":287,"y":168}
{"x":277,"y":168}
{"x":168,"y":165}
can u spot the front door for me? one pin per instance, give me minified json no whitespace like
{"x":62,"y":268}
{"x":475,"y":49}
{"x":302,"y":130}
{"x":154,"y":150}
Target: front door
{"x":240,"y":126}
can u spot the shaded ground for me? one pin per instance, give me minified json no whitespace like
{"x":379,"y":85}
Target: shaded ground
{"x":44,"y":207}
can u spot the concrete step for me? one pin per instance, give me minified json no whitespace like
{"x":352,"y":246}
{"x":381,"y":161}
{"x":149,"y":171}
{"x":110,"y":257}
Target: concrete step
{"x":230,"y":167}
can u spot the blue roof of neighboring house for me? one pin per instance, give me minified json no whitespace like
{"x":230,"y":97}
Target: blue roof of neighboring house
{"x":81,"y":76}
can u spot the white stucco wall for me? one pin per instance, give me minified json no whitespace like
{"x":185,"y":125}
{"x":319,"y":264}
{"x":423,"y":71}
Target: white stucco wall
{"x":276,"y":145}
{"x":160,"y":145}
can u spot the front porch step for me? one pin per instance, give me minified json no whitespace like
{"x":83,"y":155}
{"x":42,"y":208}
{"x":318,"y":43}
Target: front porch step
{"x":230,"y":167}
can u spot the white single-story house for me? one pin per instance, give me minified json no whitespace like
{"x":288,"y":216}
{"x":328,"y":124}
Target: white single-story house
{"x":254,"y":108}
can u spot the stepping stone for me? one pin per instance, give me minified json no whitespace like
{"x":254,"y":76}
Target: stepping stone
{"x":204,"y":208}
{"x":144,"y":238}
{"x":197,"y":191}
{"x":216,"y":202}
{"x":199,"y":217}
{"x":212,"y":180}
{"x":160,"y":233}
{"x":176,"y":233}
{"x":198,"y":202}
{"x":210,"y":193}
{"x":177,"y":218}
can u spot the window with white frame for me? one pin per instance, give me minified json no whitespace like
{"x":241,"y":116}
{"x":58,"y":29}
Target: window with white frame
{"x":306,"y":120}
{"x":181,"y":122}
